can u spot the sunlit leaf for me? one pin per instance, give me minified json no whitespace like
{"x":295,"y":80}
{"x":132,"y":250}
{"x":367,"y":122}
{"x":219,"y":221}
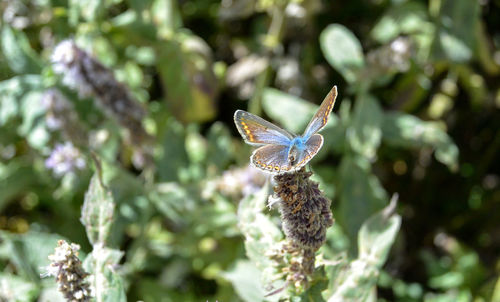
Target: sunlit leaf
{"x":245,"y":278}
{"x":261,"y":237}
{"x":261,"y":234}
{"x":90,"y":10}
{"x":11,"y":91}
{"x":343,"y":51}
{"x":172,"y":200}
{"x":408,"y":17}
{"x":97,"y":211}
{"x":15,"y":46}
{"x":355,"y":283}
{"x":291,"y":112}
{"x":28,"y":252}
{"x":455,"y":37}
{"x":377,"y":235}
{"x":364,"y":134}
{"x":15,"y":288}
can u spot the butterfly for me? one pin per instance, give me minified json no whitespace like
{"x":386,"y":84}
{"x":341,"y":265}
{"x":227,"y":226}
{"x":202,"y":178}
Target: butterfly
{"x":282,"y":151}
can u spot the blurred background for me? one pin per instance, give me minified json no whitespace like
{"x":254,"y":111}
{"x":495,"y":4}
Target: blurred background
{"x":150,"y":88}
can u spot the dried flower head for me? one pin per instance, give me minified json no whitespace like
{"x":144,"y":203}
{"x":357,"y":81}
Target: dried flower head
{"x":65,"y":158}
{"x":67,"y":269}
{"x":90,"y":78}
{"x":305,"y":214}
{"x":305,"y":211}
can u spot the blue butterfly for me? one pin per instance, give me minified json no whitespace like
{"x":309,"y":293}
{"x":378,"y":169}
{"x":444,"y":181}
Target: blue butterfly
{"x":281,"y":150}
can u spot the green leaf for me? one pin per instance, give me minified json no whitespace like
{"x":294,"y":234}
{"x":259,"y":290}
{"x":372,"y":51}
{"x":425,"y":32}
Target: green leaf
{"x":31,"y":111}
{"x":292,"y":112}
{"x":186,"y":73}
{"x":454,"y":48}
{"x":317,"y":286}
{"x":364,"y":134}
{"x":377,"y":235}
{"x":261,"y":237}
{"x":456,"y":38}
{"x":220,"y":146}
{"x":90,"y":10}
{"x":28,"y":252}
{"x":343,"y":51}
{"x":105,"y":280}
{"x":97,"y":211}
{"x":166,"y":15}
{"x":17,"y":289}
{"x":407,"y":18}
{"x":12,"y":91}
{"x":16,"y":178}
{"x":50,"y":293}
{"x":361,"y":194}
{"x":245,"y":278}
{"x":195,"y":145}
{"x":355,"y":283}
{"x":261,"y":234}
{"x":408,"y":131}
{"x":172,"y":200}
{"x":174,"y":157}
{"x":16,"y":48}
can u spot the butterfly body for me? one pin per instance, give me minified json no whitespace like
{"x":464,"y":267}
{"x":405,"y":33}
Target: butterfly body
{"x":282,"y":151}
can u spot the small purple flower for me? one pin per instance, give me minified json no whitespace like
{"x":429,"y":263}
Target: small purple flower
{"x":65,"y":158}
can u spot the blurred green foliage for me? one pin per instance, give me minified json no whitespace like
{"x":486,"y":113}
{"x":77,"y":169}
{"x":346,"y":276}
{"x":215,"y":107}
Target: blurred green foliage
{"x":417,"y":114}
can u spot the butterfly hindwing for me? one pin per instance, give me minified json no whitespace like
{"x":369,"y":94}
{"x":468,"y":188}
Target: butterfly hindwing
{"x":320,"y":119}
{"x":257,"y":131}
{"x":271,"y":158}
{"x":313,"y":145}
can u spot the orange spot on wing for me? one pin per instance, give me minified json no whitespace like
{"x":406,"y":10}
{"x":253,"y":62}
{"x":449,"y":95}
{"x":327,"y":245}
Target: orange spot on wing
{"x":247,"y":131}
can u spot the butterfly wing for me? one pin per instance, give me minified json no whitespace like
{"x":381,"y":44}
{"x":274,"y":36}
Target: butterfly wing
{"x":312,"y":147}
{"x":258,"y":131}
{"x":320,"y":119}
{"x":271,"y":158}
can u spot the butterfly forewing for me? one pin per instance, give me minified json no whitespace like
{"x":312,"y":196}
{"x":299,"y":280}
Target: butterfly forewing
{"x":320,"y":119}
{"x":271,"y":158}
{"x":258,"y":131}
{"x":313,"y":145}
